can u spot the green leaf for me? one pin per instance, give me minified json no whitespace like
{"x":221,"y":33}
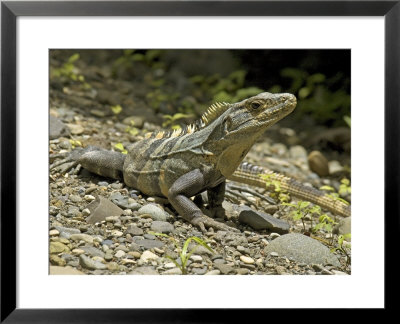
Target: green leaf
{"x":116,"y":109}
{"x":303,"y":204}
{"x":73,"y":58}
{"x":327,"y":188}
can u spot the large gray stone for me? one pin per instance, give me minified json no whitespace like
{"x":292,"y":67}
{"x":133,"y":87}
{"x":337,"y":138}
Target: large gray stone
{"x":102,"y":208}
{"x":259,"y":221}
{"x":91,"y":264}
{"x":302,"y":249}
{"x":57,"y":128}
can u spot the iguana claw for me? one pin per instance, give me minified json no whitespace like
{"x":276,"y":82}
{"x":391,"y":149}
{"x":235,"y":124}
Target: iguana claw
{"x":203,"y":221}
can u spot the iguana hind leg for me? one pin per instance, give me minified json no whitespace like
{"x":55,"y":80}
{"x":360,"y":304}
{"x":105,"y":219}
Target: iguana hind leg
{"x":179,"y":195}
{"x":99,"y":161}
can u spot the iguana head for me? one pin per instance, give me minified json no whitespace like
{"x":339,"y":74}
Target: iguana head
{"x":236,"y":130}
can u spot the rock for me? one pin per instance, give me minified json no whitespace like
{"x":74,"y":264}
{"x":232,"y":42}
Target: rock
{"x":76,"y":129}
{"x":56,"y":260}
{"x":196,"y":258}
{"x":135,"y":121}
{"x":148,"y":244}
{"x":273,"y":236}
{"x":230,"y":238}
{"x":120,"y":254}
{"x":199,"y":271}
{"x":149,"y":236}
{"x":145,"y":270}
{"x":302,"y":249}
{"x":280,"y":270}
{"x":78,"y":251}
{"x":91,"y":250}
{"x":90,"y":264}
{"x":173,"y":271}
{"x":57,"y":128}
{"x":259,"y":220}
{"x":162,"y":227}
{"x":298,"y":152}
{"x":124,"y":202}
{"x":54,"y":232}
{"x":154,"y":211}
{"x":339,"y":273}
{"x":212,"y":272}
{"x":242,"y":271}
{"x":224,"y":268}
{"x":318,"y":163}
{"x":335,"y":167}
{"x":64,"y":271}
{"x":246,"y":259}
{"x":102,"y":208}
{"x":82,"y":237}
{"x":148,"y":256}
{"x":134,"y":230}
{"x":75,"y":198}
{"x":344,"y":227}
{"x":58,"y":247}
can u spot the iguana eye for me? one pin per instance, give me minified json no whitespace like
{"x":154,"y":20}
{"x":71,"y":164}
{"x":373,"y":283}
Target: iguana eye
{"x":255,"y":105}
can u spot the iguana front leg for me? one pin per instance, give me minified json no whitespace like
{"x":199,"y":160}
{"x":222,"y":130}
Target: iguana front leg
{"x":179,"y":195}
{"x":216,"y":197}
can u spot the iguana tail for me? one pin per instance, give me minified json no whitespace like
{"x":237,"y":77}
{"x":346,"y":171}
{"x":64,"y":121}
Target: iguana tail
{"x":250,"y":174}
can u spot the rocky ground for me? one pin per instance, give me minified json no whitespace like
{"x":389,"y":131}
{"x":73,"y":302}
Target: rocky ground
{"x":101,"y":226}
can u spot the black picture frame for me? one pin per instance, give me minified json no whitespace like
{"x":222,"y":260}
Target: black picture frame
{"x":11,"y":10}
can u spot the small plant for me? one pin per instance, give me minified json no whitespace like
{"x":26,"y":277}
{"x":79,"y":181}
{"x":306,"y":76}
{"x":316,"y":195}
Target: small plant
{"x":324,"y":222}
{"x":120,"y":147}
{"x":344,"y":189}
{"x":69,"y":71}
{"x":344,"y":248}
{"x":302,"y":209}
{"x":184,"y":255}
{"x":170,"y":120}
{"x":117,"y":109}
{"x":275,"y":185}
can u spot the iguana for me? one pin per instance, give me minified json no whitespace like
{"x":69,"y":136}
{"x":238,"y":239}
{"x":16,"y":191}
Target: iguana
{"x":182,"y":163}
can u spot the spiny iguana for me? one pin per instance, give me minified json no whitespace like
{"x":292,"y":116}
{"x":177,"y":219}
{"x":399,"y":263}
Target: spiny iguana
{"x":181,"y":164}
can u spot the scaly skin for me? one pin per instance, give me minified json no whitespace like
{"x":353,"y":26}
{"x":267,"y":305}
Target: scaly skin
{"x":250,"y":174}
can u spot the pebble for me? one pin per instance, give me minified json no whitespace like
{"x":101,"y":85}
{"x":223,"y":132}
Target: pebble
{"x":173,"y":271}
{"x":75,"y":198}
{"x":337,"y":272}
{"x":273,"y":236}
{"x":120,"y":254}
{"x":54,"y":232}
{"x":149,"y":244}
{"x":123,"y":201}
{"x":58,"y":247}
{"x":82,"y":237}
{"x":56,"y":260}
{"x":116,"y":233}
{"x":148,"y":256}
{"x":259,"y":220}
{"x":78,"y":251}
{"x":57,"y":128}
{"x":134,"y":230}
{"x":90,"y":264}
{"x":144,"y":270}
{"x":213,"y":272}
{"x":280,"y":270}
{"x":196,"y":258}
{"x":318,"y":163}
{"x":274,"y":254}
{"x":161,"y":227}
{"x":154,"y":211}
{"x":102,"y":208}
{"x":242,"y":271}
{"x":91,"y":250}
{"x":85,"y":212}
{"x":246,"y":259}
{"x":169,"y":265}
{"x":89,"y":197}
